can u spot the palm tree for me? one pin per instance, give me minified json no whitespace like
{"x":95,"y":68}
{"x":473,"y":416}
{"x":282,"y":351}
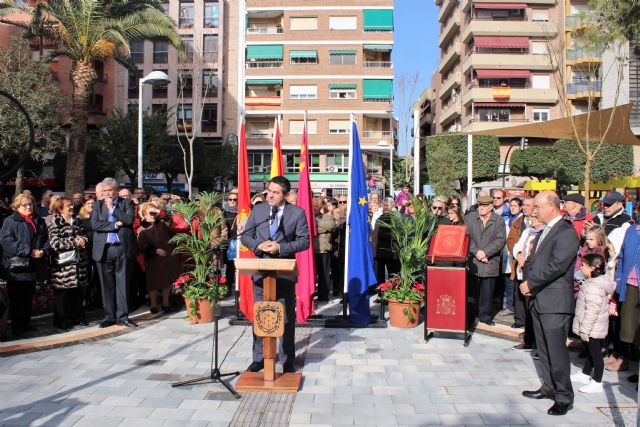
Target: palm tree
{"x":86,"y":31}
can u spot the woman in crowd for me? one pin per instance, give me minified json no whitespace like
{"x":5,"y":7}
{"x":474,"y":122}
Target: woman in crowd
{"x":52,"y":205}
{"x":25,"y":243}
{"x":454,"y":202}
{"x":591,"y":321}
{"x":161,"y":267}
{"x":596,"y":242}
{"x":68,"y":243}
{"x":454,"y":215}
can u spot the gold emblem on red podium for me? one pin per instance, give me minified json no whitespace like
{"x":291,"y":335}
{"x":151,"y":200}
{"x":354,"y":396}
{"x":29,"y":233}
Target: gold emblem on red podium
{"x":446,"y":305}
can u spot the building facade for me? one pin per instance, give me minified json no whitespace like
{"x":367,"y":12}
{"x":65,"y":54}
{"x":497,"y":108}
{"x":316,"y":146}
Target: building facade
{"x":327,"y":59}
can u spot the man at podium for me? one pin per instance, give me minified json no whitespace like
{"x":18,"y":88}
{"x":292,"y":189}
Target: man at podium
{"x":280,"y":230}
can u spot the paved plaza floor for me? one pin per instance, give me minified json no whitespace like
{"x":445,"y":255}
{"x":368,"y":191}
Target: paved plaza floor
{"x":358,"y":377}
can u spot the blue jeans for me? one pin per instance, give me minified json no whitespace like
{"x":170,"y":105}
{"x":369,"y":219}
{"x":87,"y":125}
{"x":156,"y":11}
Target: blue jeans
{"x":507,"y":300}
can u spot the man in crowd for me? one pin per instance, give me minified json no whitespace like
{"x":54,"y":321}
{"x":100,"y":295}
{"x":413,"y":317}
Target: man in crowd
{"x":576,"y":213}
{"x":500,"y":205}
{"x":487,"y":237}
{"x":613,"y":219}
{"x":549,"y":282}
{"x":322,"y":247}
{"x":285,"y":234}
{"x":342,"y":203}
{"x":124,"y":193}
{"x":99,"y":195}
{"x":114,"y":248}
{"x":78,"y":201}
{"x":43,"y":208}
{"x":139,"y":196}
{"x":438,"y":208}
{"x":382,"y":243}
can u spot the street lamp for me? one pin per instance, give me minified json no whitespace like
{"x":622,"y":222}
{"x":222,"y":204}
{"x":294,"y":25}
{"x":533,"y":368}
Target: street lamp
{"x":523,"y":144}
{"x":383,"y":143}
{"x":154,"y":78}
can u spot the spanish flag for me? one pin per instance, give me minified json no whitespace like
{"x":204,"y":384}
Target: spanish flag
{"x":277,"y":165}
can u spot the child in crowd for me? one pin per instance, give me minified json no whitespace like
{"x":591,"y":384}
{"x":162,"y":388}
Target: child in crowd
{"x":591,"y":321}
{"x":596,"y":242}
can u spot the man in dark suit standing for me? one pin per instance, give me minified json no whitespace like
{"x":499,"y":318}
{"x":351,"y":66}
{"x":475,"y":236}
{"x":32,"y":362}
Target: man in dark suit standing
{"x":277,"y":229}
{"x":114,"y":248}
{"x":549,"y":284}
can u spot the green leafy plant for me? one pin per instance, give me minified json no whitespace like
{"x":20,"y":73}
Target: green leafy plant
{"x":204,"y":219}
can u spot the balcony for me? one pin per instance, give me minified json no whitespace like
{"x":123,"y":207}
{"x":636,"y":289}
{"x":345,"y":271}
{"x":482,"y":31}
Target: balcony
{"x":450,"y":111}
{"x":452,"y":27}
{"x":506,"y":61}
{"x":526,"y":95}
{"x":574,"y":22}
{"x":453,"y":81}
{"x":579,"y":56}
{"x":264,"y":64}
{"x":377,"y":64}
{"x":584,"y":90}
{"x":445,"y":9}
{"x":263,"y":101}
{"x":449,"y":56}
{"x":508,"y":28}
{"x":379,"y":134}
{"x":265,"y":29}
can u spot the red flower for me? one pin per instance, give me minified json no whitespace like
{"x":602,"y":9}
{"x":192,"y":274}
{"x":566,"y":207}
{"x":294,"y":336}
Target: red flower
{"x":418,"y":286}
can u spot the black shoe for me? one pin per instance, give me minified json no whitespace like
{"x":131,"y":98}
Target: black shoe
{"x":633,"y":378}
{"x":166,"y":309}
{"x":537,"y":394}
{"x":128,"y":322}
{"x":255,"y":367}
{"x":288,"y":366}
{"x":522,"y":347}
{"x":489,"y":323}
{"x":153,"y":310}
{"x":517,"y":325}
{"x":106,"y":323}
{"x":559,"y":408}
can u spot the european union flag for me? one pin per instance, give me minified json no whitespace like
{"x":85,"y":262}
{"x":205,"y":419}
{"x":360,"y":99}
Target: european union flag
{"x":360,"y":274}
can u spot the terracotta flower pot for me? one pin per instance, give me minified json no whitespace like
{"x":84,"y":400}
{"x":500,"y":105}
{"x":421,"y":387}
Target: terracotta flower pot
{"x":204,"y":311}
{"x":397,"y":316}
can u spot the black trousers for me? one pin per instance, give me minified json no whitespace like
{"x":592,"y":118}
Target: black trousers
{"x":519,"y":304}
{"x":20,"y":303}
{"x":486,"y":287}
{"x":551,"y":332}
{"x":67,"y":305}
{"x":286,"y":294}
{"x":323,"y":270}
{"x":594,"y":359}
{"x":337,"y":275}
{"x":392,"y":267}
{"x":115,"y":280}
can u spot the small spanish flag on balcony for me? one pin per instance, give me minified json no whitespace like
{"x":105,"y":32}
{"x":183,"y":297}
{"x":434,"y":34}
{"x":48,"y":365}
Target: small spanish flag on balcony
{"x":501,"y":92}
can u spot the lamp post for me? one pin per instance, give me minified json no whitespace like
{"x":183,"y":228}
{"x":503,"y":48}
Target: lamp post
{"x":522,"y":144}
{"x":383,"y":143}
{"x":154,"y":78}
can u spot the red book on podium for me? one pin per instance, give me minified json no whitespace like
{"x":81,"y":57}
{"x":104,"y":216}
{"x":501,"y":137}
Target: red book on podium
{"x":449,"y":244}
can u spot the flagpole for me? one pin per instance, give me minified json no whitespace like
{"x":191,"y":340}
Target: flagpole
{"x":345,"y":290}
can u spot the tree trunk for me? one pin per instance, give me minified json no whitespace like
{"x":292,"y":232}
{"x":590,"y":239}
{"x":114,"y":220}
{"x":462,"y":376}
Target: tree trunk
{"x":19,"y":180}
{"x":83,"y":76}
{"x":190,"y":175}
{"x":169,"y":179}
{"x":587,"y":180}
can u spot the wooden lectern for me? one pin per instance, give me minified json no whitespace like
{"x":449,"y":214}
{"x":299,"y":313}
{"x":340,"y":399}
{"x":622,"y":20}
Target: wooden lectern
{"x":269,"y":269}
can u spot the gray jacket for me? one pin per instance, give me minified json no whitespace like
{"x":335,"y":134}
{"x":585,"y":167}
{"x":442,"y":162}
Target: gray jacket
{"x":490,"y":238}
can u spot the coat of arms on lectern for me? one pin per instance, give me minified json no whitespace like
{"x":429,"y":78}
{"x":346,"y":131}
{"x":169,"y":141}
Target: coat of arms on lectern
{"x":446,"y":305}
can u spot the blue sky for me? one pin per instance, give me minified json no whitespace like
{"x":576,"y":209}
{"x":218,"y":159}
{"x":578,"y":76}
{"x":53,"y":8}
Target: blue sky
{"x":416,"y":40}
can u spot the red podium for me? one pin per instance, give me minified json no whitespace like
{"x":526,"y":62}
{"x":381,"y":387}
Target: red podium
{"x":446,"y":308}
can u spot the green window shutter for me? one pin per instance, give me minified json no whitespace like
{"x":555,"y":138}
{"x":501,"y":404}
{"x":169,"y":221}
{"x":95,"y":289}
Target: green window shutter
{"x":380,"y":47}
{"x":342,"y":86}
{"x":377,"y":89}
{"x":264,"y":52}
{"x":378,"y":20}
{"x":342,"y":52}
{"x":303,"y":54}
{"x":264,"y":82}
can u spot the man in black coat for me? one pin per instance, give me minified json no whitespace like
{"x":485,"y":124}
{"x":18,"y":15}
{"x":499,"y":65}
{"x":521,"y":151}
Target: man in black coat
{"x":114,"y":249}
{"x":549,"y":284}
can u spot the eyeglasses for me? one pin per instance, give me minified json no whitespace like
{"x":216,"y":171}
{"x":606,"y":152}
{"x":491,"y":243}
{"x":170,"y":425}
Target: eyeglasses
{"x":436,"y":208}
{"x":235,"y":199}
{"x":68,"y":206}
{"x":342,"y":202}
{"x":27,"y":205}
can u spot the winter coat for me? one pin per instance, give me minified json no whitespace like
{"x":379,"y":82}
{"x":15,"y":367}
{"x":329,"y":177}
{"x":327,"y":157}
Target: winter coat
{"x":19,"y":239}
{"x":491,"y":238}
{"x":382,"y":240}
{"x":62,"y":239}
{"x":628,"y":257}
{"x":322,"y":242}
{"x":592,"y":307}
{"x":160,"y":271}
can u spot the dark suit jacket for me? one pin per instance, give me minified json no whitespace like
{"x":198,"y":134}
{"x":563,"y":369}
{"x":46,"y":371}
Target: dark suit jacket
{"x":123,"y":211}
{"x":549,"y":270}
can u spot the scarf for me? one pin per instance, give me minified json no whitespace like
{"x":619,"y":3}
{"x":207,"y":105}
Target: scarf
{"x":29,"y":219}
{"x":579,"y":216}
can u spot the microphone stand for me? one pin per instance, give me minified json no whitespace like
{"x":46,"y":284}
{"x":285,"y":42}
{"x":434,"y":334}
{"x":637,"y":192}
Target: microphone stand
{"x":215,"y":375}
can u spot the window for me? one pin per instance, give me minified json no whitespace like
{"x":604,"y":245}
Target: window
{"x":303,"y":23}
{"x":342,"y":57}
{"x":184,"y":116}
{"x":186,"y":14}
{"x":210,"y":118}
{"x":136,"y":47}
{"x":160,"y":52}
{"x":159,"y":108}
{"x":293,"y":163}
{"x":339,"y":126}
{"x":259,"y":162}
{"x":342,"y":92}
{"x":133,"y":85}
{"x":210,"y":51}
{"x":210,"y":83}
{"x":343,"y":23}
{"x":540,"y":115}
{"x":187,"y":54}
{"x":159,"y":91}
{"x":184,"y":87}
{"x":314,"y":164}
{"x":500,"y":14}
{"x":211,"y":15}
{"x":540,"y":15}
{"x":296,"y":127}
{"x":303,"y":56}
{"x":337,"y":162}
{"x":494,"y":114}
{"x":260,"y":129}
{"x":303,"y":92}
{"x":540,"y":82}
{"x":538,"y":48}
{"x":374,"y":164}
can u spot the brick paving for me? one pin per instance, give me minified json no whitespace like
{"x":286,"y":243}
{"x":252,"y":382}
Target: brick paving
{"x":351,"y":377}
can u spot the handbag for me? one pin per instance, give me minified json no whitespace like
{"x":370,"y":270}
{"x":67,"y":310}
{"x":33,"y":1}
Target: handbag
{"x":18,"y":264}
{"x":68,"y":257}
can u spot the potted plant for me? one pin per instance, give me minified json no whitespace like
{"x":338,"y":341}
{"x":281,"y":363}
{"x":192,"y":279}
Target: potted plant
{"x":198,"y":285}
{"x":405,"y":292}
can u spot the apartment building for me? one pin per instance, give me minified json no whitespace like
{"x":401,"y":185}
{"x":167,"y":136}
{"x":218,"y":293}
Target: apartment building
{"x":329,"y":59}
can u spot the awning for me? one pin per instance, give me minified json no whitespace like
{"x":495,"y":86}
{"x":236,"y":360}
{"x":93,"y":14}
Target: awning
{"x":303,"y":54}
{"x":264,"y":52}
{"x":264,"y":82}
{"x":377,"y":89}
{"x":498,"y":105}
{"x":381,"y":47}
{"x":501,"y":42}
{"x":503,"y":74}
{"x":378,"y":19}
{"x":499,"y":5}
{"x":343,"y":86}
{"x":342,"y":52}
